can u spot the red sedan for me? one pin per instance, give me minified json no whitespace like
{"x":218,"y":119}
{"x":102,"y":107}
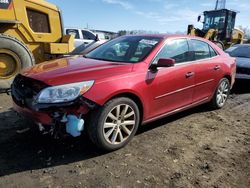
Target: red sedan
{"x":126,"y":82}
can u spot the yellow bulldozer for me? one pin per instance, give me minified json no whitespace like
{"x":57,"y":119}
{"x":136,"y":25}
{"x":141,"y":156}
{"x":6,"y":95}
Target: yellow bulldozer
{"x":218,"y":26}
{"x":31,"y":31}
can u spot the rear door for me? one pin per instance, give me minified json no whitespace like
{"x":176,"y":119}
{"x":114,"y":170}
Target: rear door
{"x":207,"y":69}
{"x":173,"y":86}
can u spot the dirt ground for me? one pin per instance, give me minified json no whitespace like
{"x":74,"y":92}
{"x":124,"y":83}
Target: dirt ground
{"x":196,"y":148}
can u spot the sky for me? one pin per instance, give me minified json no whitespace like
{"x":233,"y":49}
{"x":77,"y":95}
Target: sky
{"x":161,"y":16}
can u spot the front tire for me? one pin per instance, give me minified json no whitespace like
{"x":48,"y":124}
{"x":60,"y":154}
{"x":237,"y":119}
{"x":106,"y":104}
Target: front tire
{"x":221,"y":94}
{"x":113,"y":125}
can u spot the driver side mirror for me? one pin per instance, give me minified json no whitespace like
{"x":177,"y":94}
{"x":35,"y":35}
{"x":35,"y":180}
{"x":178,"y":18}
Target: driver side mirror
{"x":163,"y":62}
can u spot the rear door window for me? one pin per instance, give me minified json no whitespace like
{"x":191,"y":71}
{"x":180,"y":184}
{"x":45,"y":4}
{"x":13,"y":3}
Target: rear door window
{"x":200,"y":49}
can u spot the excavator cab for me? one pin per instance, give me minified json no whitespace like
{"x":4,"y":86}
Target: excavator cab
{"x":221,"y":20}
{"x":218,"y":26}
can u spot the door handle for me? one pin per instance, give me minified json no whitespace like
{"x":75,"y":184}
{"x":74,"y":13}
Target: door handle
{"x":189,"y":74}
{"x":217,"y":67}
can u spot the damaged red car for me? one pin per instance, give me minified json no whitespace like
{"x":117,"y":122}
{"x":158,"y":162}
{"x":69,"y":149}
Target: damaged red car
{"x":122,"y":84}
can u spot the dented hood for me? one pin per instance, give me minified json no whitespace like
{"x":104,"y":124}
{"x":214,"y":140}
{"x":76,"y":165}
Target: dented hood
{"x":70,"y":70}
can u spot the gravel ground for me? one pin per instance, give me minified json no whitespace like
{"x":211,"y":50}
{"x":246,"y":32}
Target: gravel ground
{"x":196,"y":148}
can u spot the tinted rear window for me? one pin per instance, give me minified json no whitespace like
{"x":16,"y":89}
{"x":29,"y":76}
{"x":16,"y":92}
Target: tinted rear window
{"x":200,"y":49}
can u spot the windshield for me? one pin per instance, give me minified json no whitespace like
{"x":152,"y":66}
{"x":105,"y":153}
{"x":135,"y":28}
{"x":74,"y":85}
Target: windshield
{"x":129,"y":49}
{"x":239,"y":51}
{"x":214,"y":20}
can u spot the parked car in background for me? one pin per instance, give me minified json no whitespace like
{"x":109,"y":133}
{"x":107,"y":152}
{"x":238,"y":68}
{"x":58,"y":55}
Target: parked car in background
{"x":84,"y":36}
{"x":242,"y":54}
{"x":83,"y":49}
{"x":124,"y":83}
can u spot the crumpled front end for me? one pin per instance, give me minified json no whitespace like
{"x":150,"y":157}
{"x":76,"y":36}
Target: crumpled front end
{"x":53,"y":118}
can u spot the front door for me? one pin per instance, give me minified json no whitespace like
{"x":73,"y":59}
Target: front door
{"x":173,"y":86}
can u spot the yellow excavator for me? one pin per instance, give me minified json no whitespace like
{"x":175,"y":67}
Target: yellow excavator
{"x":219,"y":27}
{"x":31,"y":31}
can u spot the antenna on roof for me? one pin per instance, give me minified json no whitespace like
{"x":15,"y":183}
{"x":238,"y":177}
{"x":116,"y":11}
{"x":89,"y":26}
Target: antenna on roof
{"x":220,"y":4}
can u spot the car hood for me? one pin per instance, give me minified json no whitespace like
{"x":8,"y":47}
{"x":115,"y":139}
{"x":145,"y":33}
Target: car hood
{"x":243,"y":62}
{"x":70,"y":70}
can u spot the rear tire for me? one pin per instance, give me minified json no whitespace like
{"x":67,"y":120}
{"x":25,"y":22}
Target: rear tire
{"x":113,"y":125}
{"x":221,"y":94}
{"x":14,"y":56}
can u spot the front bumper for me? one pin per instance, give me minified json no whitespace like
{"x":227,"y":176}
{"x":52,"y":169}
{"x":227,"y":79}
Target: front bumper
{"x":49,"y":114}
{"x":243,"y":72}
{"x":242,"y":76}
{"x":24,"y":91}
{"x":37,"y":117}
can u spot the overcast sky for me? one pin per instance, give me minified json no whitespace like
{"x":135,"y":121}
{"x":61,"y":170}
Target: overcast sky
{"x":155,"y":15}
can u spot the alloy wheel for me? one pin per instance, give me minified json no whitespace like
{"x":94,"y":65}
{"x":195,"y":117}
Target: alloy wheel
{"x":119,"y":124}
{"x":222,"y":93}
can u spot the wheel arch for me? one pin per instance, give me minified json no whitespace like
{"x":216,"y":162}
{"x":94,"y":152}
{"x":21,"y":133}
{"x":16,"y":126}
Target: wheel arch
{"x":228,"y":77}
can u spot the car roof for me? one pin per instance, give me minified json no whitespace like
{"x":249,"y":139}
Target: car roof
{"x":173,"y":36}
{"x":165,"y":36}
{"x":169,"y":36}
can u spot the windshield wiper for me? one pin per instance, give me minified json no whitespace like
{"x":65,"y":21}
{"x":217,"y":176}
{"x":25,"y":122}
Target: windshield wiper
{"x":101,"y":59}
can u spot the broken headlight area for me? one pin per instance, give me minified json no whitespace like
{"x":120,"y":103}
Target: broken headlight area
{"x":63,"y":93}
{"x":65,"y":106}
